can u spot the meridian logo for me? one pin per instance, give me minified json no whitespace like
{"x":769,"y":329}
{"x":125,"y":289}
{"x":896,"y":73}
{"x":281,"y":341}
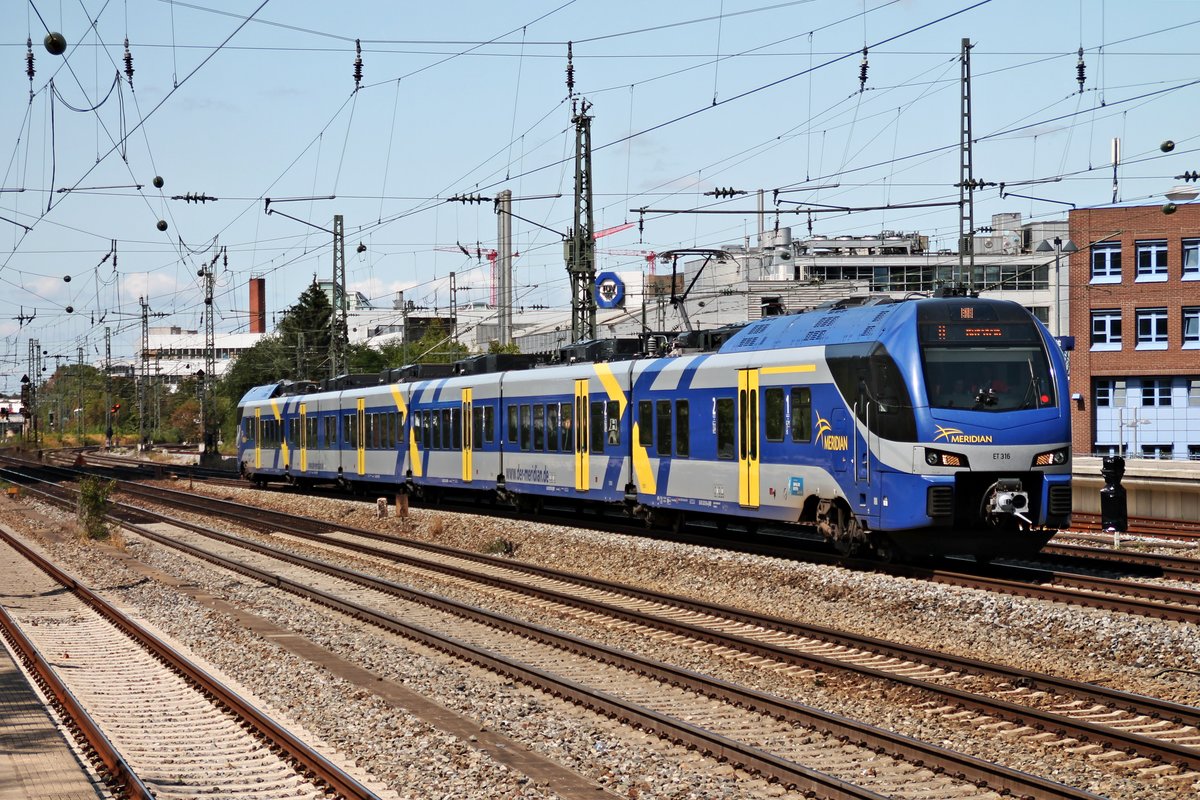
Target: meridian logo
{"x":823,"y":426}
{"x":958,"y":437}
{"x":832,"y":441}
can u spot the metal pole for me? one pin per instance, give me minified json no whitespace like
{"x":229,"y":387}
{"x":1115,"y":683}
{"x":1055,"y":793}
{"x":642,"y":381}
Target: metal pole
{"x":504,"y":256}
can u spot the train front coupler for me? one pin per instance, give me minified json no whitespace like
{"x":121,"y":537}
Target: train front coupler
{"x":1004,"y":500}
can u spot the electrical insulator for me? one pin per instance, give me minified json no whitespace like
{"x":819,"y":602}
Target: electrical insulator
{"x":570,"y":71}
{"x":128,"y":64}
{"x":357,"y":65}
{"x":29,"y":70}
{"x":1081,"y":70}
{"x":1188,"y":177}
{"x":862,"y":72}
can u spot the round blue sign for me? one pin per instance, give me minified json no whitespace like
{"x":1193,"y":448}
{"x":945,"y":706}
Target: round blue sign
{"x":610,"y":290}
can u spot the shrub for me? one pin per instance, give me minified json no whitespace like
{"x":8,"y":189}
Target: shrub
{"x":93,"y":502}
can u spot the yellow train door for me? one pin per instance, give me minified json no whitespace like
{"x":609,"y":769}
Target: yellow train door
{"x":361,"y":444}
{"x":580,"y":429}
{"x":303,"y":438}
{"x":465,"y":422}
{"x":258,"y":438}
{"x":747,"y":426}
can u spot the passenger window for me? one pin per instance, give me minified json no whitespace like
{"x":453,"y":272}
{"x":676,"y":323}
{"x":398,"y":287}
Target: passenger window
{"x":552,"y":427}
{"x":427,"y":430}
{"x":773,"y":418}
{"x":418,"y":428}
{"x":664,"y":427}
{"x":802,"y":415}
{"x":613,"y":421}
{"x":682,"y":434}
{"x":477,"y":424}
{"x":436,"y":434}
{"x":597,"y":427}
{"x":725,"y":427}
{"x":539,"y":428}
{"x":525,"y":426}
{"x":645,"y":423}
{"x":512,"y":424}
{"x":489,"y":424}
{"x":456,"y":427}
{"x":568,"y":439}
{"x":447,"y":430}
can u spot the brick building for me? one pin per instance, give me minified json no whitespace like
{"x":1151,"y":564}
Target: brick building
{"x":1135,"y":315}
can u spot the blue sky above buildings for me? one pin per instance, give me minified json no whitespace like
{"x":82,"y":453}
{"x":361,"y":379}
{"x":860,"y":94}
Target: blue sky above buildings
{"x":460,"y":98}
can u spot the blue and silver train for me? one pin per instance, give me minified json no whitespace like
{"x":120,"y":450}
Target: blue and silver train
{"x":922,"y":426}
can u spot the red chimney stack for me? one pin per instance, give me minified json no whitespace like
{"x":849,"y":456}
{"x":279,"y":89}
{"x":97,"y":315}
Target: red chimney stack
{"x":258,"y":305}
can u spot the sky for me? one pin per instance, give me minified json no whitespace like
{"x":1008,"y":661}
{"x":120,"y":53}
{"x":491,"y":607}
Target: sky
{"x":244,"y":101}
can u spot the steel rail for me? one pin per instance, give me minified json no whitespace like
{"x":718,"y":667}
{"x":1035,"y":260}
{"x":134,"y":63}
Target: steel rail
{"x":114,"y":770}
{"x":308,"y":760}
{"x":958,"y":765}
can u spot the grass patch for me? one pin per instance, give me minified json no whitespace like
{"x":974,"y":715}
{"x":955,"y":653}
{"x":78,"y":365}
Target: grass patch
{"x":501,"y":547}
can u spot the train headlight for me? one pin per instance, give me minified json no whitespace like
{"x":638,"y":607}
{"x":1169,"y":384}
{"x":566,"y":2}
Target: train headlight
{"x":1052,"y":458}
{"x":940,"y":458}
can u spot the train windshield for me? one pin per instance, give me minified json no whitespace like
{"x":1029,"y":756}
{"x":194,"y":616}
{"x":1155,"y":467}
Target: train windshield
{"x":1006,"y":378}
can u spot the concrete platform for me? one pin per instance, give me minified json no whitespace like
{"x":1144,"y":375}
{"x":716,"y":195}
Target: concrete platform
{"x":36,"y":760}
{"x":1167,"y":489}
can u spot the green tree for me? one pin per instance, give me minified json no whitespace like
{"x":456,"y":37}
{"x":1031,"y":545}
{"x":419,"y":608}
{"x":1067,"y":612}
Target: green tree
{"x":494,"y":346}
{"x":305,"y":331}
{"x":436,"y":347}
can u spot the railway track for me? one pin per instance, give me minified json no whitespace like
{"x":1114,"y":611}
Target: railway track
{"x":1187,"y":530}
{"x":781,"y":739}
{"x":157,"y":725}
{"x":1022,"y":700}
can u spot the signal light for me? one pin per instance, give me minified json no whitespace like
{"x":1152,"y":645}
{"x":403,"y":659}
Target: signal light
{"x":115,"y":408}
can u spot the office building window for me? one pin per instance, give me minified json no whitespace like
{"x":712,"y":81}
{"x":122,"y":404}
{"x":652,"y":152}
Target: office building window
{"x":1104,"y":393}
{"x":1151,"y":329}
{"x":1191,"y":327}
{"x":1191,"y":259}
{"x":1106,"y":329}
{"x":1106,"y":262}
{"x":1042,"y":313}
{"x":1194,"y":392}
{"x":1156,"y":391}
{"x":1152,"y":260}
{"x":1157,"y":450}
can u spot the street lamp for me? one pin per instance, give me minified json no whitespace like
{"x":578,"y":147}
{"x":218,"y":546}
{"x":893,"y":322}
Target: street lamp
{"x":1059,"y":247}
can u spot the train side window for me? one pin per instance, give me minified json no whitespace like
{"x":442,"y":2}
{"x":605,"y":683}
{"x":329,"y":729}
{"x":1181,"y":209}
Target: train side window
{"x":564,"y":414}
{"x":773,"y":417}
{"x":552,"y":427}
{"x":477,"y":424}
{"x":330,"y":431}
{"x":513,"y":427}
{"x":539,"y":428}
{"x":664,"y":427}
{"x":525,"y":426}
{"x":725,"y":427}
{"x":448,"y":430}
{"x":802,"y":414}
{"x":596,"y":423}
{"x":456,"y":426}
{"x":683,"y":438}
{"x":613,"y":422}
{"x":645,"y":423}
{"x":417,"y":434}
{"x":489,"y":424}
{"x":352,"y":431}
{"x":441,"y":436}
{"x":310,"y":432}
{"x":427,"y":430}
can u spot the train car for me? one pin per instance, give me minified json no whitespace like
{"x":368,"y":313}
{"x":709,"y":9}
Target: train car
{"x":937,"y":425}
